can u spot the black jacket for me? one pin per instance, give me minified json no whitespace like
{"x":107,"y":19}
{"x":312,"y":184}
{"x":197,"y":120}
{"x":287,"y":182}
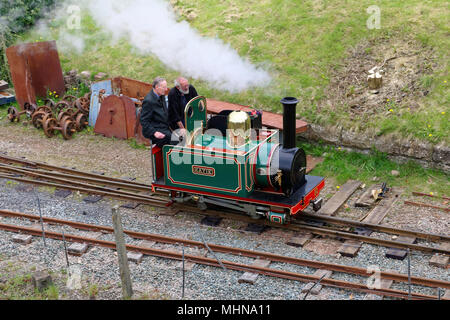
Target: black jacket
{"x":176,"y":106}
{"x":154,"y":116}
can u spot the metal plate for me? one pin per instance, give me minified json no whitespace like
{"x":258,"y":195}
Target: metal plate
{"x":35,"y":68}
{"x":95,"y":105}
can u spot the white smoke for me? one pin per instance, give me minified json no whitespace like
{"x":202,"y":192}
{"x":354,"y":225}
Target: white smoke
{"x":151,"y":27}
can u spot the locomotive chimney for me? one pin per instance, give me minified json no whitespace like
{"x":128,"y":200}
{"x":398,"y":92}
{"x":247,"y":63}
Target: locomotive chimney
{"x":289,"y":112}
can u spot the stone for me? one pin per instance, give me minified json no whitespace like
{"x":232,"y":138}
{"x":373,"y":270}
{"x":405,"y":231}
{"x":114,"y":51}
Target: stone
{"x":73,"y":73}
{"x":395,"y":173}
{"x":86,"y":75}
{"x":441,"y":153}
{"x":77,"y":249}
{"x":135,"y":257}
{"x":41,"y":280}
{"x":100,"y":76}
{"x":22,"y":238}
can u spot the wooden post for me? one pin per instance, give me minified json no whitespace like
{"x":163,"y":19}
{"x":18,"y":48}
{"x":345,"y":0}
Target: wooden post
{"x":127,"y":290}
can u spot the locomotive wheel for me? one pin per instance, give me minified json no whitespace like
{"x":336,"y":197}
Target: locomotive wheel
{"x":13,"y":114}
{"x":81,"y":121}
{"x":49,"y":126}
{"x":70,"y":100}
{"x":68,"y":129}
{"x":37,"y":118}
{"x":83,"y":104}
{"x":87,"y":96}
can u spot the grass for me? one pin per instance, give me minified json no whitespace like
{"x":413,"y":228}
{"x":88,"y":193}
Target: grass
{"x":342,"y":165}
{"x":299,"y":42}
{"x":19,"y":287}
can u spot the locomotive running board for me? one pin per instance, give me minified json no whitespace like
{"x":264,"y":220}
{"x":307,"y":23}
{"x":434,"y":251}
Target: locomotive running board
{"x":297,"y":202}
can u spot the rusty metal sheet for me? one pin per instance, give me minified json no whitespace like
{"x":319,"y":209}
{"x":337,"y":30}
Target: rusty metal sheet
{"x":117,"y":118}
{"x":35,"y":68}
{"x":131,"y":88}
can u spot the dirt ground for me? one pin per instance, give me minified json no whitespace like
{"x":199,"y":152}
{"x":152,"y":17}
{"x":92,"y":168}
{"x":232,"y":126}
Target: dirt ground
{"x":86,"y":152}
{"x":404,"y":62}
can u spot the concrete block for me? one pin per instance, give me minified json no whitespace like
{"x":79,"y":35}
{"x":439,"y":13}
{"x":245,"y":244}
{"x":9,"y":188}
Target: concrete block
{"x":22,"y":238}
{"x":41,"y":280}
{"x":77,"y":249}
{"x":135,"y":257}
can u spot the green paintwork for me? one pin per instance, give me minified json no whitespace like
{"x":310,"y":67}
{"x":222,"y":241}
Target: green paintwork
{"x":197,"y":117}
{"x":206,"y":171}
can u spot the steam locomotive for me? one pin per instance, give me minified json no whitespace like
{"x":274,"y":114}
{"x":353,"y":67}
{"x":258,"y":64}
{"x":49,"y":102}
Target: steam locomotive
{"x":231,"y":161}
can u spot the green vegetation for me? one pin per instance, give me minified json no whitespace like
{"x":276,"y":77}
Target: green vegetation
{"x":16,"y":17}
{"x":343,"y":165}
{"x":300,"y":42}
{"x":19,"y":287}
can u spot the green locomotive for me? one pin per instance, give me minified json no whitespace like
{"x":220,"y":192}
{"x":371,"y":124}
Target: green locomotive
{"x":231,"y":161}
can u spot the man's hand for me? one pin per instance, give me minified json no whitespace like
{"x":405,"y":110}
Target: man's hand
{"x":180,"y":125}
{"x":159,"y":135}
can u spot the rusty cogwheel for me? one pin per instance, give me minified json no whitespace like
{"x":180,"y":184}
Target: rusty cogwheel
{"x":29,"y":108}
{"x":61,"y":106}
{"x":49,"y":103}
{"x":68,"y":129}
{"x":81,"y":121}
{"x":37,"y":117}
{"x":13,"y":114}
{"x":49,"y":127}
{"x":70,"y":99}
{"x":46,"y":109}
{"x":83,"y":104}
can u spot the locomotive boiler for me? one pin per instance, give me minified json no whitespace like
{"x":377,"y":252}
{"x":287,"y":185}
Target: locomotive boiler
{"x":229,"y":160}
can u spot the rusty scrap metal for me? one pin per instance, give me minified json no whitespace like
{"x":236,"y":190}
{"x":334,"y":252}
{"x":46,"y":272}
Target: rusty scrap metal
{"x":420,"y":204}
{"x":35,"y":69}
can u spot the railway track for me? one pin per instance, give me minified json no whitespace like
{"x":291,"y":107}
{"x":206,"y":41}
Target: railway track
{"x":228,"y":264}
{"x":70,"y":179}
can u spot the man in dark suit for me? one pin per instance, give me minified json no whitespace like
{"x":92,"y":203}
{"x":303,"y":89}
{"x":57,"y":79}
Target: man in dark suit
{"x":155,"y":114}
{"x":179,"y":96}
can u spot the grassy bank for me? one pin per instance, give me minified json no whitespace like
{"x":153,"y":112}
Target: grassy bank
{"x":375,"y":167}
{"x":302,"y":44}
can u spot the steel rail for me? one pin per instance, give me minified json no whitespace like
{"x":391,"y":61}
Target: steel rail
{"x":320,"y":231}
{"x":230,"y":265}
{"x":105,"y":181}
{"x":231,"y":250}
{"x":135,"y":198}
{"x":426,"y":205}
{"x":41,"y":165}
{"x":299,"y":227}
{"x":375,"y":227}
{"x":72,"y":182}
{"x":429,"y":195}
